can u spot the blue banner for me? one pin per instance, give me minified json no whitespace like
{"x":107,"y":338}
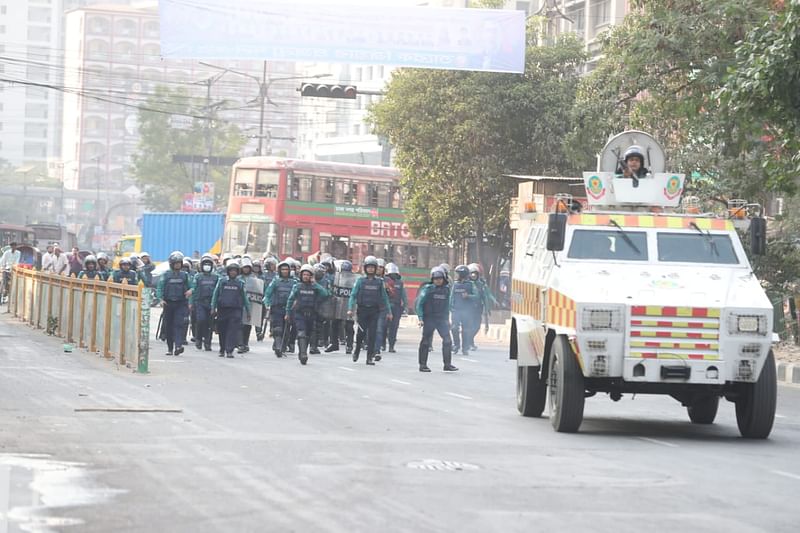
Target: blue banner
{"x":490,"y":40}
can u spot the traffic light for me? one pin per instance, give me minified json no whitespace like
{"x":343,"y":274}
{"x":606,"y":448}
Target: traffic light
{"x":323,"y":90}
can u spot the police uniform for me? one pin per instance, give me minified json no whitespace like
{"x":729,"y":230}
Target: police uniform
{"x":128,"y":275}
{"x":341,"y":325}
{"x":254,"y":288}
{"x":398,"y":301}
{"x":276,"y":297}
{"x":229,"y":302}
{"x":464,"y":300}
{"x":369,"y":293}
{"x":92,"y":274}
{"x":267,"y":276}
{"x":204,"y":284}
{"x":172,"y":289}
{"x":433,"y":308}
{"x":303,"y":301}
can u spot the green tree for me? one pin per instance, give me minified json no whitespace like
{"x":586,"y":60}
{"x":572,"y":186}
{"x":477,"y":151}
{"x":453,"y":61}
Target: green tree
{"x":164,"y":182}
{"x":457,"y":133}
{"x":661,"y":71}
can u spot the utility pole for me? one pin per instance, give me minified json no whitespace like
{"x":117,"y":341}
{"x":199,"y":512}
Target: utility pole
{"x":262,"y":90}
{"x":210,"y":110}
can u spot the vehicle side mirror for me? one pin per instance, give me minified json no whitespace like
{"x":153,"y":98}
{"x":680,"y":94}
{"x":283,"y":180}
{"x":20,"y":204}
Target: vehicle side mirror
{"x":556,"y":231}
{"x":117,"y":253}
{"x":758,"y":236}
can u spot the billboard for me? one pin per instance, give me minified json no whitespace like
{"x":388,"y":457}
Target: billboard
{"x":491,"y":40}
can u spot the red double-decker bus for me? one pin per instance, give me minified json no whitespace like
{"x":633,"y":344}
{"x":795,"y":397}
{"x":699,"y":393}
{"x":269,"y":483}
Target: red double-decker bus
{"x":296,"y":208}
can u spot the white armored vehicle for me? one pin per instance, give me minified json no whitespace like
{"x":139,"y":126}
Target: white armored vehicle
{"x":634,"y":291}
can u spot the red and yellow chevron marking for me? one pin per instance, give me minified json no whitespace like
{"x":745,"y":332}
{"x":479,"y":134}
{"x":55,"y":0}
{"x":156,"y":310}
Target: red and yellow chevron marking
{"x":527,"y":299}
{"x":681,"y":312}
{"x":651,"y":221}
{"x":675,"y":335}
{"x":681,"y":356}
{"x":674,"y":324}
{"x":561,"y":310}
{"x":673,"y":345}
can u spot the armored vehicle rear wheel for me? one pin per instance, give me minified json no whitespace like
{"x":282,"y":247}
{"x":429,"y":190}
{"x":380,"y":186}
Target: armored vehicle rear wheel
{"x":755,"y":407}
{"x":531,"y":391}
{"x":703,"y":410}
{"x":565,"y":380}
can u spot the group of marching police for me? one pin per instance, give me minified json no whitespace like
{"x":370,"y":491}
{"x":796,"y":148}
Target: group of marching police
{"x":315,"y":307}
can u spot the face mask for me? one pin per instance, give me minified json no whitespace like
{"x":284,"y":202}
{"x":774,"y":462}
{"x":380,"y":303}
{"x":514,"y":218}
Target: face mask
{"x":206,"y":268}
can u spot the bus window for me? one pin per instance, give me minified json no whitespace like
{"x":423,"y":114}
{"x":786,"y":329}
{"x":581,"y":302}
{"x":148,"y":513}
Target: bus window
{"x":296,"y":241}
{"x":267,"y":186}
{"x":362,"y":194}
{"x":348,"y":195}
{"x":319,"y":190}
{"x":304,"y":188}
{"x":292,"y":187}
{"x":383,"y":195}
{"x":245,"y":182}
{"x":421,"y":256}
{"x":372,"y":194}
{"x":395,"y":198}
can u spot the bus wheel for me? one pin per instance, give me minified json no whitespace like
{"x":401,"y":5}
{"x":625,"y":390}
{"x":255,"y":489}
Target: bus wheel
{"x":703,"y":410}
{"x":566,"y":388}
{"x":755,"y":407}
{"x":531,"y":391}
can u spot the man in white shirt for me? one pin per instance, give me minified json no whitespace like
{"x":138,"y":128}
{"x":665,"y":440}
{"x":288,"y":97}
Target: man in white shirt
{"x":60,"y":262}
{"x":47,"y":259}
{"x":10,"y":257}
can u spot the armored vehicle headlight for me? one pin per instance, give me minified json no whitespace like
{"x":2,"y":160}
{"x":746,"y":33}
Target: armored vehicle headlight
{"x":748,"y":324}
{"x":601,"y":319}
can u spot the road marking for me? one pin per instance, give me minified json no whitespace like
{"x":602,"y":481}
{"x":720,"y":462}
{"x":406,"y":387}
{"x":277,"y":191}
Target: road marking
{"x":780,"y":416}
{"x":347,"y":368}
{"x":468,"y":359}
{"x":659,"y":442}
{"x":458,"y":396}
{"x":400,"y":382}
{"x":786,"y":474}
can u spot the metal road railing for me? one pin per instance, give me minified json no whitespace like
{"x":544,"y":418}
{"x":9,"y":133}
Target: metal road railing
{"x":108,"y":318}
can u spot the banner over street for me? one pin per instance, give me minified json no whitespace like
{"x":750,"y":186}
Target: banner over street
{"x":489,"y":40}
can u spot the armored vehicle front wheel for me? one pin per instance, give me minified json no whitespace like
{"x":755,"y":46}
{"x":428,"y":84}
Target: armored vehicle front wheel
{"x":703,"y":410}
{"x":565,"y":380}
{"x":755,"y":406}
{"x":531,"y":391}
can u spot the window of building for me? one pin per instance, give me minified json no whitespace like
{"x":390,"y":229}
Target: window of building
{"x":151,"y":29}
{"x":35,"y":130}
{"x":578,"y":15}
{"x":35,"y":110}
{"x":125,"y":27}
{"x":38,"y":33}
{"x":600,"y":12}
{"x":2,"y":28}
{"x":39,"y":14}
{"x":267,"y":184}
{"x":98,"y":25}
{"x":368,"y":73}
{"x":524,"y":6}
{"x":31,"y":149}
{"x":245,"y":182}
{"x":3,"y":10}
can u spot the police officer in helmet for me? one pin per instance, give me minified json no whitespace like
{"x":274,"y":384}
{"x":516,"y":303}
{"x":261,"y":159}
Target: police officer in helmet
{"x":433,"y":310}
{"x":205,"y":282}
{"x":175,"y":289}
{"x":276,"y":296}
{"x":125,"y":273}
{"x":398,"y":299}
{"x":303,"y":301}
{"x":90,"y":269}
{"x":229,"y":304}
{"x":369,"y":293}
{"x":633,"y":163}
{"x":463,"y":300}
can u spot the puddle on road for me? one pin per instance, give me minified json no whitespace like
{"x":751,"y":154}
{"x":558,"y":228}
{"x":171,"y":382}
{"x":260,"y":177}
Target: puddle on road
{"x":33,"y":486}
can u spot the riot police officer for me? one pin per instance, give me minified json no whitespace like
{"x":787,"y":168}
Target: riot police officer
{"x":380,"y":330}
{"x":267,"y":274}
{"x":174,"y":289}
{"x":125,"y":273}
{"x":342,"y":324}
{"x":276,"y":296}
{"x":324,"y":312}
{"x":146,"y":270}
{"x":486,"y":301}
{"x":306,"y":295}
{"x":398,"y":299}
{"x":254,"y":288}
{"x":463,"y":300}
{"x":102,"y":264}
{"x":228,"y":304}
{"x":205,"y":282}
{"x":369,"y":293}
{"x":433,"y":310}
{"x":90,"y":269}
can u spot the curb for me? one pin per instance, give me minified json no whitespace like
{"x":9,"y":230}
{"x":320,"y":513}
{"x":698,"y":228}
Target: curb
{"x":788,"y":373}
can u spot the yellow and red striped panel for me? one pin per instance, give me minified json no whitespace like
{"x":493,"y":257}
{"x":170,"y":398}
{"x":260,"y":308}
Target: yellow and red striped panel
{"x":675,"y":335}
{"x":680,"y":356}
{"x":679,"y":312}
{"x":674,"y":324}
{"x":526,"y":298}
{"x":651,"y":221}
{"x":673,"y":345}
{"x":561,"y":310}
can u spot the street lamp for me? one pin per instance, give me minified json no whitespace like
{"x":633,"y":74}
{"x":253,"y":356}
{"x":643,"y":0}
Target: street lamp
{"x":263,"y":92}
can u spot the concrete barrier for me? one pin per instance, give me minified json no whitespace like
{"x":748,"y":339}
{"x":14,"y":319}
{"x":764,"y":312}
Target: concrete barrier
{"x":102,"y":317}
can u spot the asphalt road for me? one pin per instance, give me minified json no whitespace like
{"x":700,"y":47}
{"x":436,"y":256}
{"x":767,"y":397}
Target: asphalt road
{"x":262,"y":444}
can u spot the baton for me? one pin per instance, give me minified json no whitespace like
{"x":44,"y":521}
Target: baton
{"x":158,"y":328}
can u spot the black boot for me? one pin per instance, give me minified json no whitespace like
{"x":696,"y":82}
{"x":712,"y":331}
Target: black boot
{"x":370,"y":358}
{"x":448,"y":359}
{"x":277,"y":343}
{"x":423,"y":358}
{"x":302,"y":344}
{"x":391,"y":348}
{"x":357,"y":352}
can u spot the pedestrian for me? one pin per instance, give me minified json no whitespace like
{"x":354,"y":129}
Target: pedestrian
{"x":303,"y":301}
{"x":90,"y":270}
{"x":8,"y":261}
{"x":229,"y":305}
{"x":175,"y":289}
{"x":205,"y":282}
{"x":124,"y":273}
{"x":276,"y":296}
{"x":254,"y":288}
{"x":398,"y":300}
{"x":75,"y":262}
{"x":369,"y":293}
{"x":342,"y":324}
{"x":60,"y":263}
{"x":47,"y":259}
{"x":464,"y":300}
{"x":433,"y":311}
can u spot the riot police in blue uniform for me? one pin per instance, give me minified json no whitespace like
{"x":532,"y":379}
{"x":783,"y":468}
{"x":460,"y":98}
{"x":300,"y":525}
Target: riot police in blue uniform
{"x":324,"y":313}
{"x":228,"y":306}
{"x":205,"y":282}
{"x":433,"y":310}
{"x":146,"y":270}
{"x":303,"y":301}
{"x":398,"y":299}
{"x":174,"y":289}
{"x":276,"y":296}
{"x":125,"y":273}
{"x":369,"y":293}
{"x":90,"y":269}
{"x":463,"y":300}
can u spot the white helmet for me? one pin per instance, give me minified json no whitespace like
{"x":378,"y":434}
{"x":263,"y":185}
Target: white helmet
{"x":246,"y":261}
{"x":392,"y":268}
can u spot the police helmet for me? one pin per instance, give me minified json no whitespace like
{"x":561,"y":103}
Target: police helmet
{"x":103,"y":256}
{"x":462,"y":272}
{"x":143,"y":255}
{"x":319,"y":267}
{"x":634,"y":151}
{"x":233,"y":264}
{"x":284,"y":264}
{"x":446,"y":268}
{"x":125,"y":261}
{"x":346,"y":266}
{"x":371,"y":260}
{"x":307,"y":268}
{"x":187,"y":263}
{"x":438,"y":272}
{"x":90,"y":259}
{"x":474,"y":267}
{"x":246,"y":262}
{"x":227,"y":256}
{"x":257,"y":263}
{"x":382,"y":262}
{"x":134,"y":257}
{"x":270,"y":261}
{"x":175,"y":257}
{"x":207,"y":257}
{"x":392,"y":268}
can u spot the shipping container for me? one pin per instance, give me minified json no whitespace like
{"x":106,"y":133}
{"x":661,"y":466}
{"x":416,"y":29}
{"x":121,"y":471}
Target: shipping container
{"x":163,"y":233}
